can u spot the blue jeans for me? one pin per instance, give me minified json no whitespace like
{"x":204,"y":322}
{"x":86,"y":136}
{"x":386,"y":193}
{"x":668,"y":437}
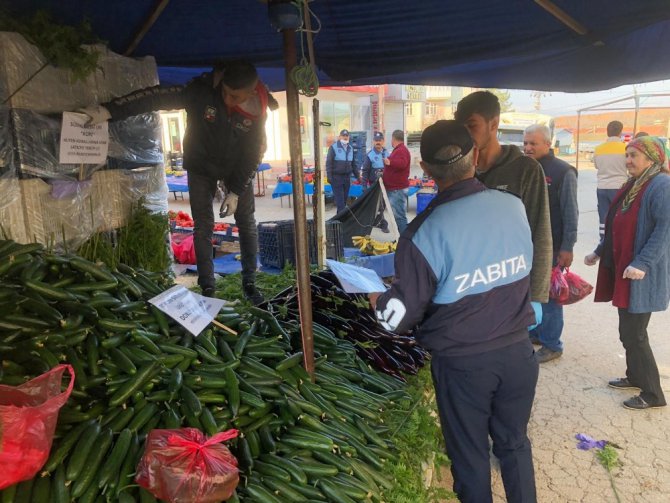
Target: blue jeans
{"x":605,"y":198}
{"x":398,"y":200}
{"x":550,"y":330}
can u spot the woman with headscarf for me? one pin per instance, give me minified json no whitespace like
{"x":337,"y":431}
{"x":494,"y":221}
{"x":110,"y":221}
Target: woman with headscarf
{"x":634,"y":271}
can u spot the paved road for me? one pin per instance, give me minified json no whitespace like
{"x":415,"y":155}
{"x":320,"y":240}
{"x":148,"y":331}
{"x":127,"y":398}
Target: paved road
{"x":572,"y":396}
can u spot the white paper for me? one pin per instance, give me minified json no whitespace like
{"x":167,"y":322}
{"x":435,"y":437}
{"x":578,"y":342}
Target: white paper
{"x":192,"y":311}
{"x":355,"y":279}
{"x":82,"y":144}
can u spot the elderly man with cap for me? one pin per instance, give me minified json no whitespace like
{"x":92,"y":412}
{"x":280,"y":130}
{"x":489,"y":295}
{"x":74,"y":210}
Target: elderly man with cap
{"x":462,"y":282}
{"x":372,"y":170}
{"x":340,"y":167}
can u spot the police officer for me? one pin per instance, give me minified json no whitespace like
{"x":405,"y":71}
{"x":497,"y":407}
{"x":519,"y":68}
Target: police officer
{"x":373,"y":164}
{"x":224,"y":140}
{"x":340,"y":167}
{"x":372,"y":170}
{"x":463,"y":276}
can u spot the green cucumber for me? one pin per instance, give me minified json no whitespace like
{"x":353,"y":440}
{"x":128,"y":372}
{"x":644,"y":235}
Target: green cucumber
{"x":138,"y":381}
{"x":61,"y":490}
{"x":314,"y":468}
{"x":208,"y":422}
{"x":233,"y":390}
{"x":261,"y":494}
{"x":297,"y":473}
{"x":49,"y":292}
{"x":191,"y":401}
{"x":143,"y":416}
{"x":122,"y":420}
{"x":282,"y":489}
{"x":333,"y":492}
{"x":83,"y":448}
{"x":65,"y":445}
{"x":111,"y":467}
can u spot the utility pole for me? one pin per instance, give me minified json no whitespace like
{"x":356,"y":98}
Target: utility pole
{"x":537,"y":97}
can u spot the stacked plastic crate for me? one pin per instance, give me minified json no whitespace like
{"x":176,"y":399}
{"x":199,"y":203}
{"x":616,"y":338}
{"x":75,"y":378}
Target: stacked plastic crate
{"x":92,"y":201}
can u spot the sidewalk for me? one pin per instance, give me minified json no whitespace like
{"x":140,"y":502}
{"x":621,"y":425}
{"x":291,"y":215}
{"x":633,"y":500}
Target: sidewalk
{"x":572,"y":394}
{"x":572,"y":397}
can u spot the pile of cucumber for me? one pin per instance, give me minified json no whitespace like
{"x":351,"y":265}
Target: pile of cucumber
{"x":137,"y":370}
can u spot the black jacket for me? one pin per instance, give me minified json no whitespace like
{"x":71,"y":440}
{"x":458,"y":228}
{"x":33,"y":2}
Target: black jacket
{"x":221,"y":144}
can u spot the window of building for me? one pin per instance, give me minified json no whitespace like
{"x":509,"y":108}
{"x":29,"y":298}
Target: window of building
{"x":338,"y":115}
{"x":431,"y":109}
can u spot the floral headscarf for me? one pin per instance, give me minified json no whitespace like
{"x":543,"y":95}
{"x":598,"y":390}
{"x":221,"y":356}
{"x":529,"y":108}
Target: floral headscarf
{"x":654,"y":149}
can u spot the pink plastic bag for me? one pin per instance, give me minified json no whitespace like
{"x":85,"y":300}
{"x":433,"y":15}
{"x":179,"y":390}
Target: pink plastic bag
{"x":578,"y":288}
{"x":28,"y":416}
{"x":183,"y":249}
{"x":558,"y":290}
{"x":183,"y":466}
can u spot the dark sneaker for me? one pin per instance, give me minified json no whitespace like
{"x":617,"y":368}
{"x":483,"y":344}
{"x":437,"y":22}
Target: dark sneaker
{"x":209,"y":292}
{"x":639,"y":403}
{"x":621,"y":383}
{"x":546,"y":354}
{"x":252,"y":294}
{"x":535,"y":341}
{"x":385,"y":230}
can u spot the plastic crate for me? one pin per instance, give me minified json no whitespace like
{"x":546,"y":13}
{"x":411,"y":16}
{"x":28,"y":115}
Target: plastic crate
{"x":423,"y":199}
{"x":276,"y":242}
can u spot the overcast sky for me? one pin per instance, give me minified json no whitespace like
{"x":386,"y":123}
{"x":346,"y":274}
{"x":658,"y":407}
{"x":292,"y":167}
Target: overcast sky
{"x":556,"y":103}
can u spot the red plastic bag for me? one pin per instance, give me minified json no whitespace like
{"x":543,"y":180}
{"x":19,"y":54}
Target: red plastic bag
{"x":183,"y":466}
{"x":28,"y":415}
{"x":558,"y":291}
{"x":183,"y":249}
{"x":578,"y":288}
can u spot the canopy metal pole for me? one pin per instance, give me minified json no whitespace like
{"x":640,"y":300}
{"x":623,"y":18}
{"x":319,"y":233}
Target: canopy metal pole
{"x":144,"y":29}
{"x":637,"y":110}
{"x":319,"y":205}
{"x":299,"y":218}
{"x":318,"y":202}
{"x":579,"y":120}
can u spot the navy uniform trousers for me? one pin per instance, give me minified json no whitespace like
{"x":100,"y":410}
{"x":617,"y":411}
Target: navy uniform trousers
{"x":486,"y":394}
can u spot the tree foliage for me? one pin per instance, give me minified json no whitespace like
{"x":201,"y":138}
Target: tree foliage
{"x":505,"y":99}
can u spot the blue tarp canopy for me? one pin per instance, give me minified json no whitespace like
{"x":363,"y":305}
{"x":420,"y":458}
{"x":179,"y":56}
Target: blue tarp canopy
{"x":514,"y":44}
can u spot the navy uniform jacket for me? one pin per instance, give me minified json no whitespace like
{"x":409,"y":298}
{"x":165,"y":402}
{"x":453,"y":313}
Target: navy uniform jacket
{"x":462,"y":273}
{"x":373,"y":166}
{"x":219,"y":143}
{"x":340,"y":160}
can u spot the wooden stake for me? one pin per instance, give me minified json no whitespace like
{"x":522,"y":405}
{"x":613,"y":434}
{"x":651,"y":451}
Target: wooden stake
{"x":222,"y":326}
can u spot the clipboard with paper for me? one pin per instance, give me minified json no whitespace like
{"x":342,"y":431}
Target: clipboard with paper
{"x":355,"y":279}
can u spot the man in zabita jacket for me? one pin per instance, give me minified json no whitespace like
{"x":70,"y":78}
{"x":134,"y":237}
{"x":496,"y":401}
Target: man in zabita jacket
{"x":462,"y":281}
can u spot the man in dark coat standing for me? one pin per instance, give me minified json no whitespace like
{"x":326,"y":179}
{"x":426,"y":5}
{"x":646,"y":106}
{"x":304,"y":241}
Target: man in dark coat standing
{"x":563,"y":211}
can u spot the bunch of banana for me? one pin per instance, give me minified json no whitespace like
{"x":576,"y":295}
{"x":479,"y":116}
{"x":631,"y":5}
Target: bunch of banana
{"x":369,"y":246}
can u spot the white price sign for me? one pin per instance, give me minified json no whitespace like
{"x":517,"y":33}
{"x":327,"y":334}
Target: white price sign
{"x":191,"y":310}
{"x":81,"y":143}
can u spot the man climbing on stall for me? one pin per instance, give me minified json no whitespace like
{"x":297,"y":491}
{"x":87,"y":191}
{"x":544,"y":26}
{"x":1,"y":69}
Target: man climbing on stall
{"x":224,"y":140}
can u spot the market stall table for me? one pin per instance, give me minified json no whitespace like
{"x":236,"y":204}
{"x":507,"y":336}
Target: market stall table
{"x":286,"y":189}
{"x":260,"y":178}
{"x":177,"y":184}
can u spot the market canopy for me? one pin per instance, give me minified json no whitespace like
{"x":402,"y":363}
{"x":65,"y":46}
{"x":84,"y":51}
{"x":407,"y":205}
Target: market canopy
{"x":560,"y":45}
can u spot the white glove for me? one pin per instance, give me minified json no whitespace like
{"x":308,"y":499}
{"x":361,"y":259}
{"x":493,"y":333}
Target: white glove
{"x":591,"y":259}
{"x":633,"y":273}
{"x":229,"y":205}
{"x":96,"y":114}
